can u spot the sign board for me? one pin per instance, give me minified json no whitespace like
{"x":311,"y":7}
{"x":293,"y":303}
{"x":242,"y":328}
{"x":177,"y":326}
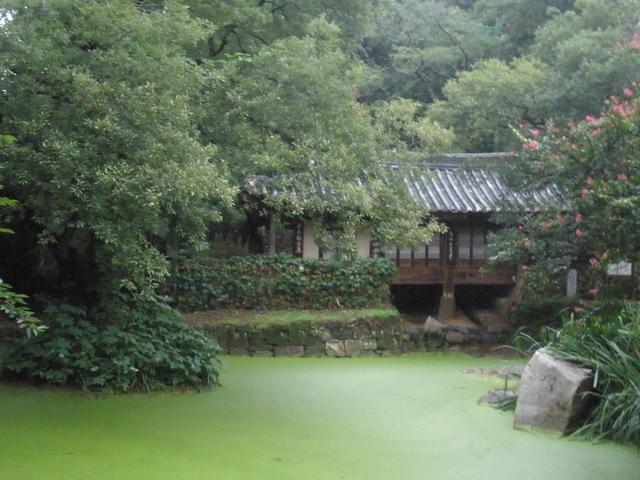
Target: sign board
{"x":620,"y":269}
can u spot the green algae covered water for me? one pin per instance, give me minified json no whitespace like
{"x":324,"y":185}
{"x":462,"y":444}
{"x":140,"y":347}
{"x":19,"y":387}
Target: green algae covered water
{"x":406,"y":418}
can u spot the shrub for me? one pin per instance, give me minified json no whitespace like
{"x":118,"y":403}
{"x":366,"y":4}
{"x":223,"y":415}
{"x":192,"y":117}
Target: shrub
{"x":538,"y":310}
{"x":280,"y":281}
{"x":150,"y":349}
{"x":611,"y":349}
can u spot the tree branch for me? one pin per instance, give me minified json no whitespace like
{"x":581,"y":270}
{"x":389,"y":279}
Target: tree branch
{"x":467,"y":60}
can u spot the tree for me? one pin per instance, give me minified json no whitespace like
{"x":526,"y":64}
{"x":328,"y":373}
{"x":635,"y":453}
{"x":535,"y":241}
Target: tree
{"x":246,"y":26}
{"x":108,"y":164}
{"x":516,"y":21}
{"x":484,"y":104}
{"x":595,"y":166}
{"x":291,"y":113}
{"x":420,"y":44}
{"x":592,"y":52}
{"x":401,"y":125}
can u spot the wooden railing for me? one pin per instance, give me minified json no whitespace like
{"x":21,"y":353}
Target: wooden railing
{"x":463,"y":273}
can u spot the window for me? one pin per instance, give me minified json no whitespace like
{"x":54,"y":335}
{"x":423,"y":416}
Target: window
{"x":405,"y":254}
{"x":419,"y":253}
{"x":464,"y":243}
{"x":479,"y":244}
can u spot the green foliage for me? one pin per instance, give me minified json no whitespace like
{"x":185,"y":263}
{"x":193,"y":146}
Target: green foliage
{"x":516,"y":21}
{"x":276,"y":282}
{"x":400,"y":124}
{"x":485,"y":103}
{"x":537,"y":310}
{"x":284,"y":317}
{"x":107,"y":161}
{"x":610,"y":347}
{"x":421,"y":44}
{"x":150,"y":349}
{"x":592,"y":50}
{"x":483,"y":67}
{"x":246,"y":26}
{"x":14,"y":305}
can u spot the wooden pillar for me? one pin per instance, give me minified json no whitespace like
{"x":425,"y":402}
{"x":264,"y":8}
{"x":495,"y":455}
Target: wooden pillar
{"x":447,"y":308}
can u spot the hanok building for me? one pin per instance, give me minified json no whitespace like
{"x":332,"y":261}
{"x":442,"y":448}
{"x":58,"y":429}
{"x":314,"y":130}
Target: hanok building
{"x":464,"y":191}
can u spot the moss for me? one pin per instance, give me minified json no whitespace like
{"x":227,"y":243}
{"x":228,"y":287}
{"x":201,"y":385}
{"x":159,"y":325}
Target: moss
{"x":411,"y":417}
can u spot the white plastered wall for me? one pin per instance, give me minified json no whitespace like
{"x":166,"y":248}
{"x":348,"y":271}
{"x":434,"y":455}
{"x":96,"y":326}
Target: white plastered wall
{"x":363,"y":241}
{"x":309,"y":247}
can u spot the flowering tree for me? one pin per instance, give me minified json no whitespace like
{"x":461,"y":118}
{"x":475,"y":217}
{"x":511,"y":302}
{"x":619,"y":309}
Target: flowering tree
{"x":595,"y":166}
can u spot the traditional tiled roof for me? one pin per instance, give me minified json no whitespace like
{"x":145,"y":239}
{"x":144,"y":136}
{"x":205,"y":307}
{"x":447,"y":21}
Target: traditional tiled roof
{"x":453,"y":183}
{"x":467,"y":183}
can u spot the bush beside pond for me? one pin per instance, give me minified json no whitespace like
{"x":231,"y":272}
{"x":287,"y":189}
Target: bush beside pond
{"x":149,"y":349}
{"x":281,"y":281}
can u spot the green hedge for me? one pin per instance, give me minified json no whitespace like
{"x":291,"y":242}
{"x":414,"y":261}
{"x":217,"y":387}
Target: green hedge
{"x":279,"y":282}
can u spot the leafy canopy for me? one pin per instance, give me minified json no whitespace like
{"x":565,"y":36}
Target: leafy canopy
{"x":108,"y":162}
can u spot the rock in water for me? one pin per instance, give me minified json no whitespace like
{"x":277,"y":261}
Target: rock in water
{"x":551,"y":395}
{"x":432,"y":326}
{"x":344,"y":348}
{"x":495,"y":398}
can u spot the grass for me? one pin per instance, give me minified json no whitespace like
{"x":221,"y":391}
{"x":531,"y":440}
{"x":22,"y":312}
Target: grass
{"x":411,"y":418}
{"x":611,"y":349}
{"x":273,"y":317}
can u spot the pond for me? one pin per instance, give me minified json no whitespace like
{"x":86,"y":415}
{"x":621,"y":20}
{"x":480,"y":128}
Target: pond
{"x":411,"y":417}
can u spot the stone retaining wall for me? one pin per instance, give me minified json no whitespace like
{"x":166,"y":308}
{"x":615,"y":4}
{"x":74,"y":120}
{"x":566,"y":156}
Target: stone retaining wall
{"x":416,"y":339}
{"x":375,"y":336}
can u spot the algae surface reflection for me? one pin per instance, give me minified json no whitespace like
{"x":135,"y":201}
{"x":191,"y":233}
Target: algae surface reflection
{"x":412,"y":417}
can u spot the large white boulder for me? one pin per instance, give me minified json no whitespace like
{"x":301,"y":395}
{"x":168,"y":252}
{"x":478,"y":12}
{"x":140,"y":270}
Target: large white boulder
{"x":551,"y":395}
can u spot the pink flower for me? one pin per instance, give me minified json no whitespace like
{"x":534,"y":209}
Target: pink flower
{"x":628,"y":92}
{"x":533,"y":145}
{"x":618,"y":108}
{"x":578,"y":309}
{"x":594,"y":291}
{"x":589,"y":181}
{"x":596,"y":132}
{"x":622,"y":177}
{"x":535,"y":133}
{"x":593,"y":262}
{"x":578,"y":217}
{"x":585,"y":192}
{"x":578,"y":232}
{"x":520,"y":227}
{"x":590,"y":118}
